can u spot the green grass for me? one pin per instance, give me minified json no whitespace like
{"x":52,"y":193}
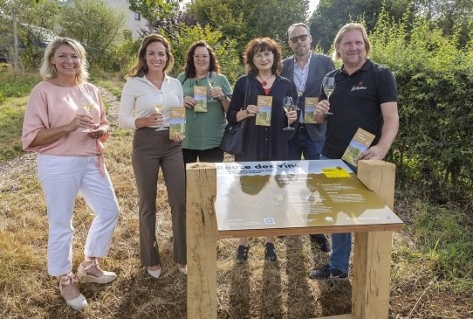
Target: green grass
{"x":444,"y":236}
{"x":14,"y":92}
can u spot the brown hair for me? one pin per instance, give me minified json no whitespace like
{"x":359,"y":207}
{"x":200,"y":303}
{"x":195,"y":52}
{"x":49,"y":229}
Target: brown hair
{"x":190,"y":69}
{"x":261,"y":45}
{"x":140,"y":68}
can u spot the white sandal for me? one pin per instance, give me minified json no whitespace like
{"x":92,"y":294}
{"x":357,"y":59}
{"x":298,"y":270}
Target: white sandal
{"x":77,"y":303}
{"x":106,"y":277}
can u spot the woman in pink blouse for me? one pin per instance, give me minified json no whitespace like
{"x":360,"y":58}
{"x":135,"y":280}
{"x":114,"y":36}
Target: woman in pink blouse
{"x":65,"y":123}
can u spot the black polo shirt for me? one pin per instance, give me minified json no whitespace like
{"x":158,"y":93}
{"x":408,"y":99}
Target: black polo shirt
{"x":355,"y":103}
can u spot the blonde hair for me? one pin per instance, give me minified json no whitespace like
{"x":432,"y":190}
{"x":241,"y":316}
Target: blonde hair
{"x":48,"y":70}
{"x":350,"y":27}
{"x":140,"y":68}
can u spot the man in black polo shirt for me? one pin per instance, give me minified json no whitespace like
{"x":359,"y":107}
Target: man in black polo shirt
{"x":365,"y":96}
{"x":306,"y":69}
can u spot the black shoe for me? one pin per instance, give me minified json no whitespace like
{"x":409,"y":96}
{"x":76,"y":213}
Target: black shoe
{"x":242,"y":253}
{"x":327,"y":273}
{"x":270,"y":252}
{"x":320,"y":241}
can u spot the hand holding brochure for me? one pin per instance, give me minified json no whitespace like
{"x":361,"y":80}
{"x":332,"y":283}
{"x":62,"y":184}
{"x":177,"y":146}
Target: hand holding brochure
{"x":264,"y":115}
{"x":200,"y":95}
{"x":309,"y":109}
{"x":359,"y":143}
{"x":177,"y":121}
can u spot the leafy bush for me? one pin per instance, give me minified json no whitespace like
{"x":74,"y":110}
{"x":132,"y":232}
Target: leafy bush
{"x":433,"y":150}
{"x":225,"y":50}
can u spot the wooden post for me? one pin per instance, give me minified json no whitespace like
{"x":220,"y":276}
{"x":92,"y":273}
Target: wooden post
{"x":372,"y":250}
{"x":201,"y":230}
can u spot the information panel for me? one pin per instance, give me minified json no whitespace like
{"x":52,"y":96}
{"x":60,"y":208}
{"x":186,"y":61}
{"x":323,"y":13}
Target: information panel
{"x":288,"y":194}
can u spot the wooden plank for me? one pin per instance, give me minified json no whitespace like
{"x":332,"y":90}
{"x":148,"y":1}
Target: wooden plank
{"x":310,"y":230}
{"x":371,"y":275}
{"x":372,"y":251}
{"x":379,"y":177}
{"x":348,"y":316}
{"x":201,"y":230}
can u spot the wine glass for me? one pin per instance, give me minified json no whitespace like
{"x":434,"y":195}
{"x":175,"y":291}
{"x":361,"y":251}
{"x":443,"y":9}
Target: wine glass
{"x":288,"y":106}
{"x":211,"y":78}
{"x":159,"y":107}
{"x":88,"y":104}
{"x":329,"y":84}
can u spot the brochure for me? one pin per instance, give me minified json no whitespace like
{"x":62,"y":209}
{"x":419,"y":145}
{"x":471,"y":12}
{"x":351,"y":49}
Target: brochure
{"x":309,"y":109}
{"x":200,"y":95}
{"x":359,"y":143}
{"x":264,"y":115}
{"x":177,"y":121}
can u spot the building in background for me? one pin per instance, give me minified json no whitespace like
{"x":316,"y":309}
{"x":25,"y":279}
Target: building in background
{"x":135,"y":22}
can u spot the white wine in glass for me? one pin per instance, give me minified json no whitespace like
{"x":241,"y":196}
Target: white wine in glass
{"x":159,"y":108}
{"x":288,"y":106}
{"x":211,"y":78}
{"x":88,"y":105}
{"x":329,"y":84}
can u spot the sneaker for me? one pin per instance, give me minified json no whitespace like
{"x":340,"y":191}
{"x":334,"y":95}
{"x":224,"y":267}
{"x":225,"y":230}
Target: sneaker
{"x":328,"y":273}
{"x":242,"y":253}
{"x":320,"y":241}
{"x":270,"y":252}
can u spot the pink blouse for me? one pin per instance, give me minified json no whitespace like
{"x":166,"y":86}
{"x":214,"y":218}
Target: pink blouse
{"x":51,"y":106}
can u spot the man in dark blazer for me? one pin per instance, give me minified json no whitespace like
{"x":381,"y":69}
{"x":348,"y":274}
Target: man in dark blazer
{"x":306,"y":70}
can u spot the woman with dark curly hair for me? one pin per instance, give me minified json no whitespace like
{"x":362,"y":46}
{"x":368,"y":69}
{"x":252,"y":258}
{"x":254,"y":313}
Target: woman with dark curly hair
{"x":204,"y":125}
{"x":262,"y":142}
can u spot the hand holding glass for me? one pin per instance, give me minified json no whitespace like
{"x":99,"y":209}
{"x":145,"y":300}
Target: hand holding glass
{"x":288,"y":106}
{"x":88,"y":104}
{"x":211,"y":78}
{"x":159,"y":108}
{"x":329,"y":84}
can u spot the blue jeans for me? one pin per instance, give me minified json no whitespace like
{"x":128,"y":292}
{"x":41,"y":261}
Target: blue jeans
{"x":341,"y":244}
{"x":301,"y":143}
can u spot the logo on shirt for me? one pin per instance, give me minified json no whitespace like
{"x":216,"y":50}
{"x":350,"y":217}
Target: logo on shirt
{"x":359,"y":87}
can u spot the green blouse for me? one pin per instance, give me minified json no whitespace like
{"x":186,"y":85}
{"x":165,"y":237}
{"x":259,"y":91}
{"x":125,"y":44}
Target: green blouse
{"x":204,"y":130}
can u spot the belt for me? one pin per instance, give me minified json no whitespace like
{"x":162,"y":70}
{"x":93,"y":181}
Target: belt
{"x":301,"y":126}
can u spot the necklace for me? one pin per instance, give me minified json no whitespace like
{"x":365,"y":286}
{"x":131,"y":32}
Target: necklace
{"x":264,"y":82}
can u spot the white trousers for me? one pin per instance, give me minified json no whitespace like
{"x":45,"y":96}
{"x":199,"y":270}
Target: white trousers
{"x":61,"y":178}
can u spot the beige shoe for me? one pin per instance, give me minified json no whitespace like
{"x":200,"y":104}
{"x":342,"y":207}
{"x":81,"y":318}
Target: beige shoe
{"x":77,"y":303}
{"x":154,"y":273}
{"x":183,"y":270}
{"x":104,"y":278}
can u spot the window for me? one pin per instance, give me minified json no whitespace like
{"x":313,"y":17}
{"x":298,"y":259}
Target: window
{"x":137,"y":16}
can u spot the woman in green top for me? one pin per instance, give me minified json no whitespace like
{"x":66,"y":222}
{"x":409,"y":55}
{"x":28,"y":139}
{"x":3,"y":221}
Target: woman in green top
{"x":206,"y":100}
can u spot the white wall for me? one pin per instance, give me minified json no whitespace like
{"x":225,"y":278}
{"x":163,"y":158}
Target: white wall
{"x":131,"y":23}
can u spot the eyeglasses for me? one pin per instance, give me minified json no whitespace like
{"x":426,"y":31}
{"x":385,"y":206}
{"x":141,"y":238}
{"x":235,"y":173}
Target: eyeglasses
{"x":302,"y":38}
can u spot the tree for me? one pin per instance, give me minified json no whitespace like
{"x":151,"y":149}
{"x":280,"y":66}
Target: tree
{"x":97,"y":26}
{"x":331,"y":15}
{"x":243,"y":20}
{"x":35,"y":25}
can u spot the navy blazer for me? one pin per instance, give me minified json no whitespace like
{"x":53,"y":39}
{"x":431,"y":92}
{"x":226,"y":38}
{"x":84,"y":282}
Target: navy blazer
{"x":319,"y":66}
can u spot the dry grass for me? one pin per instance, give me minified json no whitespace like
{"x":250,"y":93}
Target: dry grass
{"x":257,"y":289}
